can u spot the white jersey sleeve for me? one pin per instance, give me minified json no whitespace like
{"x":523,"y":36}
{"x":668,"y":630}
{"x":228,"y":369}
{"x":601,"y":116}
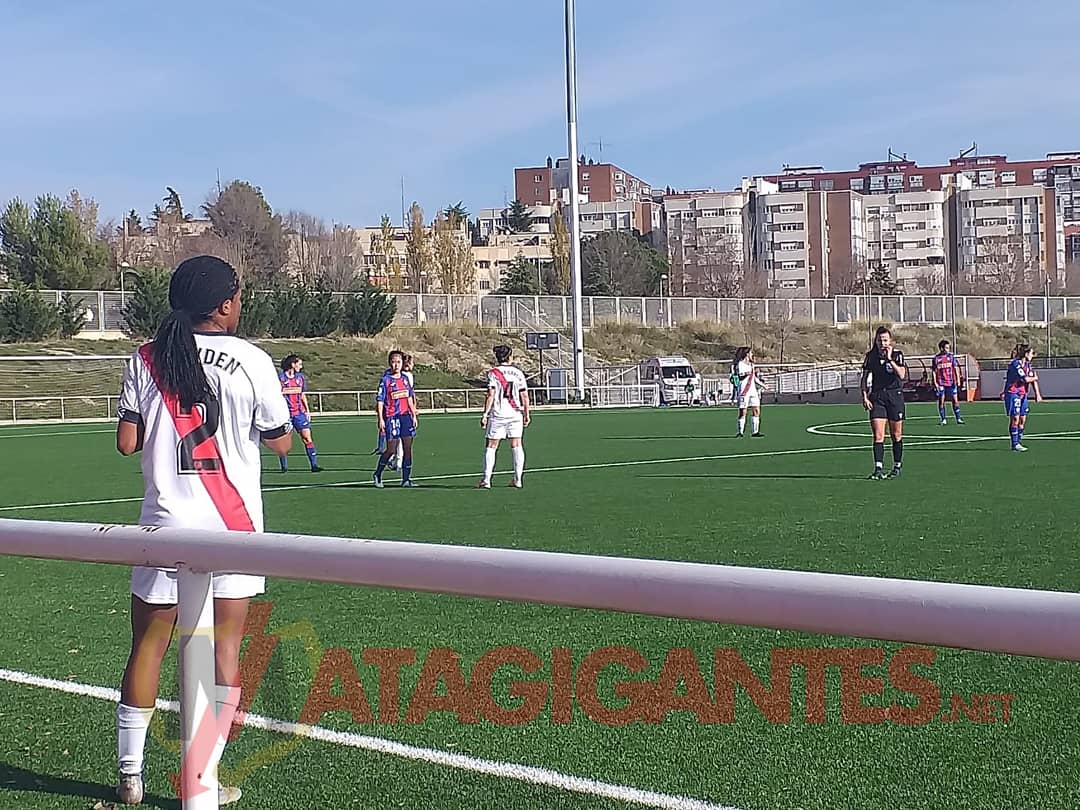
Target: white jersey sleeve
{"x":510,"y":386}
{"x":130,"y":408}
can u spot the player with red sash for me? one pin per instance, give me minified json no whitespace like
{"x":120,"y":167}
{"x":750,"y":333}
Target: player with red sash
{"x":197,"y":402}
{"x":747,"y":390}
{"x":946,"y":371}
{"x":506,"y":415}
{"x":395,"y":405}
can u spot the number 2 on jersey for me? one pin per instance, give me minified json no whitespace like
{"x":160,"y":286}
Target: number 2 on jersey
{"x":201,"y":425}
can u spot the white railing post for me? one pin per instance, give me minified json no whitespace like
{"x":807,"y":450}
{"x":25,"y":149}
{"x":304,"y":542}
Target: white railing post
{"x":198,"y":690}
{"x":62,"y":415}
{"x":358,"y":409}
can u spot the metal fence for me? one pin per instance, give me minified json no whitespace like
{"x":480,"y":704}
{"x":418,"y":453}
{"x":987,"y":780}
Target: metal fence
{"x":104,"y":310}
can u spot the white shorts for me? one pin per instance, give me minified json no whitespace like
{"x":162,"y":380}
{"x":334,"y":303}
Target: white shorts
{"x":157,"y":586}
{"x":751,"y":400}
{"x":504,"y":427}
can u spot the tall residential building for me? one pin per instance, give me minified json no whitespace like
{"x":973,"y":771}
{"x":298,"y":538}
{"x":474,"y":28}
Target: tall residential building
{"x":804,"y":244}
{"x":905,"y":234}
{"x":703,"y":235}
{"x":1014,"y":236}
{"x":1059,"y":170}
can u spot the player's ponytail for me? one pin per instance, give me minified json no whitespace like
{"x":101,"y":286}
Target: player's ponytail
{"x":177,"y":367}
{"x":198,"y":288}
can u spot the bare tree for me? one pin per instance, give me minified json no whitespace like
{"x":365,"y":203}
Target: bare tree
{"x":848,"y":279}
{"x":308,"y":241}
{"x":932,"y":283}
{"x":1006,"y":267}
{"x":715,"y":269}
{"x":344,"y":264}
{"x":1072,"y":277}
{"x":85,"y":210}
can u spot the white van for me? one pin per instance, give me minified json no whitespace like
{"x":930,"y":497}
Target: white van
{"x":672,"y":376}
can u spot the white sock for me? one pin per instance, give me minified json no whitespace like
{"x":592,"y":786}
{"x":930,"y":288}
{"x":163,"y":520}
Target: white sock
{"x":399,"y":454}
{"x":742,"y":423}
{"x":519,"y":463}
{"x":228,"y":700}
{"x":755,"y":423}
{"x":489,"y":463}
{"x":132,"y":723}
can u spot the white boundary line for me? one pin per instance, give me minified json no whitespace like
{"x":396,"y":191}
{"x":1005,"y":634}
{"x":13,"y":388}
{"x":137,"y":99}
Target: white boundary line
{"x":432,"y":756}
{"x":570,"y":468}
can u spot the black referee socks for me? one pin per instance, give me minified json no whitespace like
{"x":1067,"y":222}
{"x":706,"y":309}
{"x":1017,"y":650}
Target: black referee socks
{"x":897,"y":452}
{"x":879,"y":453}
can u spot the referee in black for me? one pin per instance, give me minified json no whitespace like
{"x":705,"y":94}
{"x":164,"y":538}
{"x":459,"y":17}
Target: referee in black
{"x":884,"y":372}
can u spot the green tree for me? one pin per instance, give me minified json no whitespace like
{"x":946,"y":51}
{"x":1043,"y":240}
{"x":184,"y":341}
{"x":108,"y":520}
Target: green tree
{"x":253,"y":235}
{"x":618,"y":263}
{"x":457,"y":214}
{"x":368,"y":312}
{"x":50,"y":246}
{"x":520,"y":278}
{"x":519,"y":218}
{"x":26,"y":317}
{"x":881,"y":281}
{"x":148,"y":303}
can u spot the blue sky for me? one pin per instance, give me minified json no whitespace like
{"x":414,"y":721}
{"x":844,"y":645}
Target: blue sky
{"x":327,"y":105}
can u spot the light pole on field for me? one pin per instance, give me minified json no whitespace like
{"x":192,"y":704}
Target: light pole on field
{"x":575,"y":211}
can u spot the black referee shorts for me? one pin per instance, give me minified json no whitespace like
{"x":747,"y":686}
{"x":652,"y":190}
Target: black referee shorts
{"x":887,"y":405}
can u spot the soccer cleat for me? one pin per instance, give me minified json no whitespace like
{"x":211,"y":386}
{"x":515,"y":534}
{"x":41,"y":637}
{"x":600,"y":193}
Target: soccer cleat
{"x":514,"y":484}
{"x":757,"y":435}
{"x":959,"y":421}
{"x":130,"y":789}
{"x":409,"y":484}
{"x":895,"y":473}
{"x":316,"y":468}
{"x":944,"y":423}
{"x":377,"y":480}
{"x":1019,"y":448}
{"x":877,"y":475}
{"x":484,"y":485}
{"x":738,"y":435}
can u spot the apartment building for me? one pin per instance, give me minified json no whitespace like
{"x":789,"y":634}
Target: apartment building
{"x":610,"y":197}
{"x":905,"y":234}
{"x":1014,"y":234}
{"x":702,"y":232}
{"x":804,"y":243}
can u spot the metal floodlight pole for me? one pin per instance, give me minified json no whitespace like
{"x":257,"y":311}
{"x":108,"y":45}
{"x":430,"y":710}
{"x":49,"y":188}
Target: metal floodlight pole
{"x":575,"y":212}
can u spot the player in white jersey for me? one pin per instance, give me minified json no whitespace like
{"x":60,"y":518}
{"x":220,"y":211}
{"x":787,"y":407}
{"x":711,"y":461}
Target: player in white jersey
{"x":506,"y":415}
{"x":748,"y":387}
{"x":407,"y":373}
{"x":197,"y":402}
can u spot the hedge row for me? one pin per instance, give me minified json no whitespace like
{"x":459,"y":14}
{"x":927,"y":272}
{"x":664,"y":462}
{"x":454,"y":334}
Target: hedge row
{"x":27,"y":317}
{"x":289,"y":312}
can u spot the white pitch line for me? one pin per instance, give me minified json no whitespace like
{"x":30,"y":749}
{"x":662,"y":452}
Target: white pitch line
{"x":569,"y":468}
{"x":530,"y":774}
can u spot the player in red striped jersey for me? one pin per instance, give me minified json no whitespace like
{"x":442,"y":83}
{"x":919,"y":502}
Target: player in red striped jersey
{"x":197,"y":402}
{"x":506,"y":415}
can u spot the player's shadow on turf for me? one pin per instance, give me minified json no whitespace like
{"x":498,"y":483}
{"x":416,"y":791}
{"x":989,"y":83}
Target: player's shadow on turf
{"x":778,"y":476}
{"x":12,"y":778}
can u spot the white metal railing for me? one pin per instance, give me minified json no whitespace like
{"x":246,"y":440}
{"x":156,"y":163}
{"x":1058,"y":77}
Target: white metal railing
{"x":104,"y":310}
{"x":98,"y":408}
{"x":975,"y":617}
